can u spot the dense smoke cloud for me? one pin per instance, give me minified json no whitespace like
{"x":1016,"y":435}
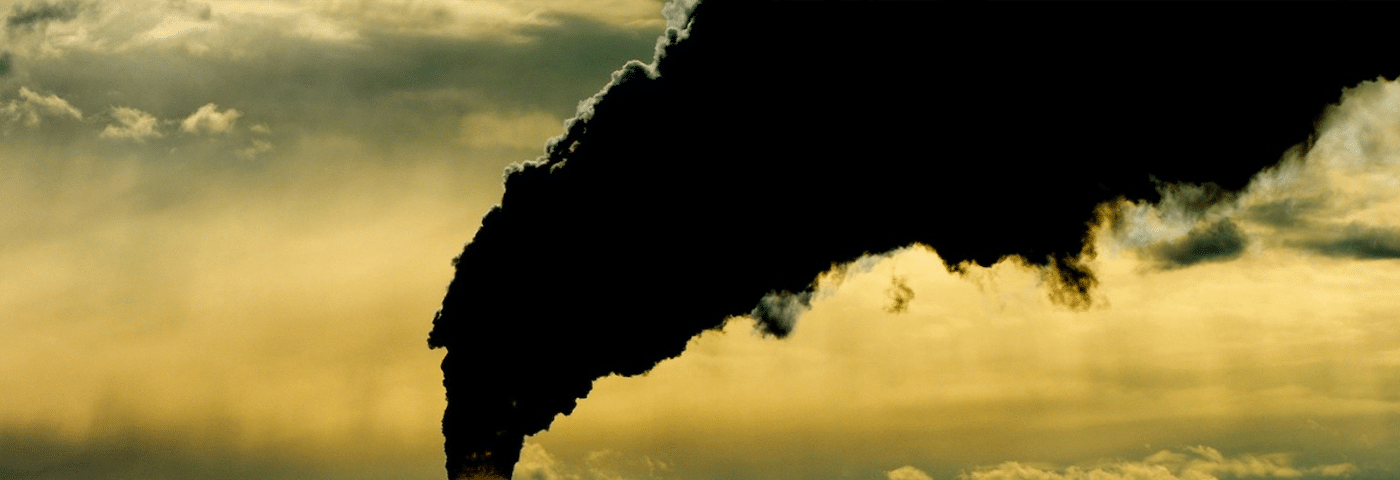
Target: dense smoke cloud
{"x":770,"y":141}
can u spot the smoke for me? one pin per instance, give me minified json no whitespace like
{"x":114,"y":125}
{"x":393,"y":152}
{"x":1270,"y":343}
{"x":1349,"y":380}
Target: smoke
{"x":1218,"y":241}
{"x":900,"y":295}
{"x":1286,"y":213}
{"x":777,"y":312}
{"x":1359,"y":241}
{"x":769,"y":142}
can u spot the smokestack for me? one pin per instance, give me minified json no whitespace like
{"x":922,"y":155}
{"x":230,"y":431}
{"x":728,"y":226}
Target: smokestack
{"x":772,"y":140}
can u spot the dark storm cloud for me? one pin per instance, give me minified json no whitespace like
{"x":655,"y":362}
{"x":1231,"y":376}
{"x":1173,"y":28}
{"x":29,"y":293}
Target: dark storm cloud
{"x":1359,"y":241}
{"x":1218,"y":241}
{"x":7,"y":62}
{"x":778,"y":139}
{"x":27,"y":18}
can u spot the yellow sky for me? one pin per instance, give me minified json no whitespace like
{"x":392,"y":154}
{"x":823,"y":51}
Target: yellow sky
{"x":227,"y":225}
{"x":1277,"y":351}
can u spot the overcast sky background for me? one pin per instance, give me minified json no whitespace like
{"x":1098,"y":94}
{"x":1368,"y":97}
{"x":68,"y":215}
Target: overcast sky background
{"x":227,"y":225}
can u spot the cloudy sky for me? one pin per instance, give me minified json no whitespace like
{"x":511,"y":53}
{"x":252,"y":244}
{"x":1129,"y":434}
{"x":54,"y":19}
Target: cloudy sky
{"x":227,"y":225}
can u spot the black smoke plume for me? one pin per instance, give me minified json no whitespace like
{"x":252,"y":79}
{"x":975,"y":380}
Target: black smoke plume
{"x":774,"y":139}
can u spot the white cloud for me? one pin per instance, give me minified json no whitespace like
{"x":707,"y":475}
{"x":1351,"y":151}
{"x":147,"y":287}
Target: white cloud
{"x":31,"y":107}
{"x":50,"y":104}
{"x":537,"y":464}
{"x":1197,"y":463}
{"x":1334,"y":470}
{"x":208,"y":119}
{"x":907,"y":473}
{"x":256,"y":149}
{"x":131,"y":123}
